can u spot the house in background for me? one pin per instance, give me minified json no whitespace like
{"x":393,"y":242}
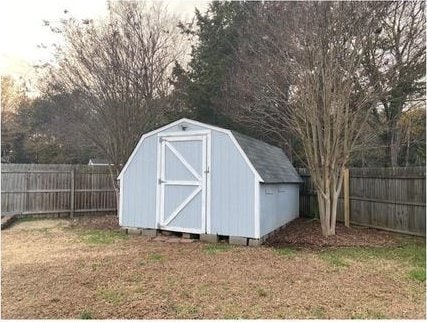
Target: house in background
{"x":200,"y":179}
{"x":98,"y":162}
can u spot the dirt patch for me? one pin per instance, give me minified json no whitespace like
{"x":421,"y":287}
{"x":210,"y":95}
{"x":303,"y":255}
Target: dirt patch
{"x":55,"y":273}
{"x":43,"y":224}
{"x":307,"y":233}
{"x":110,"y":222}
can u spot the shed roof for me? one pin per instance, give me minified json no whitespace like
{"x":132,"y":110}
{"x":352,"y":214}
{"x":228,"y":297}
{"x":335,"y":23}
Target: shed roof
{"x":270,"y":161}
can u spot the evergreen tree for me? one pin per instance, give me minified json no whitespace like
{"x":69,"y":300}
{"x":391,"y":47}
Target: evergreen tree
{"x":217,"y":32}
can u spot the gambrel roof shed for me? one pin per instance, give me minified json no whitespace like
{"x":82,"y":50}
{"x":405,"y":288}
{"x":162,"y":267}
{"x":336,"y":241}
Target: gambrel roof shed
{"x":193,"y":177}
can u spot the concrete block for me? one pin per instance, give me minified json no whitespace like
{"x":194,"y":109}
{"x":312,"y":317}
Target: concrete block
{"x":209,"y":238}
{"x":186,"y":235}
{"x":149,"y":232}
{"x":238,"y":241}
{"x":255,"y":242}
{"x":133,"y":231}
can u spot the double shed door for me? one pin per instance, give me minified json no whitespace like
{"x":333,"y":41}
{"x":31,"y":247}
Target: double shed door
{"x":183,"y":183}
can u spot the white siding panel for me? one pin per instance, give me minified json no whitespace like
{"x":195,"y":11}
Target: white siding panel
{"x":232,"y":194}
{"x":140,"y":184}
{"x":279,"y":205}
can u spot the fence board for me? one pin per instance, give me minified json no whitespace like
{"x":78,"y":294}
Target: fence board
{"x":33,"y":189}
{"x":386,"y":198}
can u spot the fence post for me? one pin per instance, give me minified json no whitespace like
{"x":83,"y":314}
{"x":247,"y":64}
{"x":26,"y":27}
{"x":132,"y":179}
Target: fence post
{"x":72,"y":192}
{"x":26,"y":203}
{"x":346,"y":175}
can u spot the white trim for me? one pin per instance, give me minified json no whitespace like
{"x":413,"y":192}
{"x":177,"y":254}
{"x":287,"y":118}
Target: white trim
{"x":181,"y":206}
{"x":162,"y":186}
{"x":208,"y":184}
{"x":181,"y":138}
{"x":181,"y":183}
{"x":201,"y":185}
{"x":182,"y":229}
{"x":257,"y":218}
{"x":158,"y":185}
{"x":184,"y":133}
{"x":121,"y":203}
{"x":185,"y":120}
{"x":204,"y":183}
{"x":183,"y":161}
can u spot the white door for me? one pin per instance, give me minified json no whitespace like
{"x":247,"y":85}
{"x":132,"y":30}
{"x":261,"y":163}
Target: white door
{"x":183,"y":183}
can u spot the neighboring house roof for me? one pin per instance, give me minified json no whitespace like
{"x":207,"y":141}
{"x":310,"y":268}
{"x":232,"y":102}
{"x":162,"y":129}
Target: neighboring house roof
{"x":98,"y":162}
{"x":270,"y":161}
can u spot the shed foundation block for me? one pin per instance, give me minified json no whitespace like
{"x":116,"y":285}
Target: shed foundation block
{"x":209,"y":238}
{"x":242,"y":241}
{"x":149,"y":232}
{"x":133,"y":231}
{"x":255,"y":242}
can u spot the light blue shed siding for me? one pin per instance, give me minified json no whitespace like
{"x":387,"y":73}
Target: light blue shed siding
{"x":232,"y":187}
{"x":279,"y":204}
{"x":232,"y":184}
{"x":139,"y":187}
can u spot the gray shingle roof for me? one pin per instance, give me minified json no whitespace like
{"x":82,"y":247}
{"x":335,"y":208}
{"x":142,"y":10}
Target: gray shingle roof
{"x":270,"y":161}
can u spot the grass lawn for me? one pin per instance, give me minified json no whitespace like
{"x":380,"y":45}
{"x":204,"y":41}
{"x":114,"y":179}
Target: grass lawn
{"x":57,"y":269}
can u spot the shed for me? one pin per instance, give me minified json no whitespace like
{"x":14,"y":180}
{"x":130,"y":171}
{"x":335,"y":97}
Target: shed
{"x":196,"y":178}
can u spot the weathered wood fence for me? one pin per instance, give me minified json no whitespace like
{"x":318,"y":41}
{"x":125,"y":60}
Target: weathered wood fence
{"x":37,"y":189}
{"x":386,"y":198}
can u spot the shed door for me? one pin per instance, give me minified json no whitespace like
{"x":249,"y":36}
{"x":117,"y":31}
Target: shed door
{"x":183,"y":183}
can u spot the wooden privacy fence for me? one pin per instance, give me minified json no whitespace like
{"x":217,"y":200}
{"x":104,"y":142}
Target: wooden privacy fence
{"x":386,"y":198}
{"x":37,"y":189}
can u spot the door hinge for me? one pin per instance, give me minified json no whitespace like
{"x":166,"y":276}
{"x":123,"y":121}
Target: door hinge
{"x":160,"y":181}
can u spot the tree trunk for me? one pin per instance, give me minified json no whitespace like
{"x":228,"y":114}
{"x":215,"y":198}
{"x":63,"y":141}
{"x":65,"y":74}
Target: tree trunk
{"x":326,"y":215}
{"x":328,"y":205}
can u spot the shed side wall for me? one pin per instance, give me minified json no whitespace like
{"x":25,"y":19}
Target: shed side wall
{"x":279,"y":204}
{"x":232,"y":194}
{"x":139,"y":187}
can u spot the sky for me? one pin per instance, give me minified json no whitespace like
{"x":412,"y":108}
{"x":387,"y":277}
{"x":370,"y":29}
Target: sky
{"x":23,"y":34}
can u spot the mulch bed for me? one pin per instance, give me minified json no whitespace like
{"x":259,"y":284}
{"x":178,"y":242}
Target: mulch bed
{"x":307,"y":233}
{"x":104,"y":222}
{"x":301,"y":233}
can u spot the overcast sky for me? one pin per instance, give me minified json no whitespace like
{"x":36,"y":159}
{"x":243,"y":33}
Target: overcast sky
{"x":22,"y":29}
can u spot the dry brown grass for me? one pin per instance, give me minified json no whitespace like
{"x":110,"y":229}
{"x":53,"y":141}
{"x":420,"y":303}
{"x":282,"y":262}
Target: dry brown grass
{"x":57,"y":269}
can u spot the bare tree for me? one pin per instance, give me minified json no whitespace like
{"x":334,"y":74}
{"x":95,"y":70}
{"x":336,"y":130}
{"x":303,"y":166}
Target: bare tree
{"x":12,"y":98}
{"x":395,"y":60}
{"x":117,"y":73}
{"x":299,"y":76}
